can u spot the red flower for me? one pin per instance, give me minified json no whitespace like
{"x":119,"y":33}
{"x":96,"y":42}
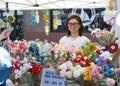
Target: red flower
{"x":21,"y":46}
{"x":52,"y":51}
{"x":99,"y":52}
{"x":36,"y":69}
{"x":112,"y":47}
{"x":82,"y":60}
{"x":16,"y":65}
{"x":77,"y":59}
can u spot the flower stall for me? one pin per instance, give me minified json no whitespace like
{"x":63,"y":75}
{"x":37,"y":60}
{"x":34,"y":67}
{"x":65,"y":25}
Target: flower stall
{"x":91,"y":65}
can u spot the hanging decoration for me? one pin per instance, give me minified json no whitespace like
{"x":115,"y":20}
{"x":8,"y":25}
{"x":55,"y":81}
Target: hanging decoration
{"x":1,"y":23}
{"x":32,"y":20}
{"x":55,"y":20}
{"x":37,"y":16}
{"x":34,"y":17}
{"x":46,"y":20}
{"x":110,"y":14}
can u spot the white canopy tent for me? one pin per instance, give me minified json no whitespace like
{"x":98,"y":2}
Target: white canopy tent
{"x":50,"y":4}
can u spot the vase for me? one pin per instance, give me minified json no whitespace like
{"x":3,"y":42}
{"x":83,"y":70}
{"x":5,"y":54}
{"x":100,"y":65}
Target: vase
{"x":72,"y":83}
{"x":26,"y":84}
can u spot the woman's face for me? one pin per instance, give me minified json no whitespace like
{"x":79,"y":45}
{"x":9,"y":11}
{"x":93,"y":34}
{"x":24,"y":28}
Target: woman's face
{"x":73,"y":25}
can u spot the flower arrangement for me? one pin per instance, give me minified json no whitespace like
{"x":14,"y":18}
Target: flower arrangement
{"x":104,"y":36}
{"x":92,"y":63}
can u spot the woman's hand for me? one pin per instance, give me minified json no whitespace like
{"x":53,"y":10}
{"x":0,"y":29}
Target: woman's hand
{"x":5,"y":34}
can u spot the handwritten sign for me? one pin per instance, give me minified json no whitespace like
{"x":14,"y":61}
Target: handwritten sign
{"x":50,"y":78}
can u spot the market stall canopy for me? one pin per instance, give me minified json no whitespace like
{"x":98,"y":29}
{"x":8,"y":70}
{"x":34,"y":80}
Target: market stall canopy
{"x":50,"y":4}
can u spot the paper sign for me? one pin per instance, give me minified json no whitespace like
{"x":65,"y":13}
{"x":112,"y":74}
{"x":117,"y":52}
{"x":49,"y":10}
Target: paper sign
{"x":50,"y":78}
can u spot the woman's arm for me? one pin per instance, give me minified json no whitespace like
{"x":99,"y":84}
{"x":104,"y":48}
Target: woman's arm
{"x":5,"y":34}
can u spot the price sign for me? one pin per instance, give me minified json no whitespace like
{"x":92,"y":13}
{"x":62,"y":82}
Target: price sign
{"x":50,"y":78}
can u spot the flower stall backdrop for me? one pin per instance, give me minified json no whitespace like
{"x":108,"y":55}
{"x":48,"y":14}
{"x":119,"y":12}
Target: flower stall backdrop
{"x":92,"y":62}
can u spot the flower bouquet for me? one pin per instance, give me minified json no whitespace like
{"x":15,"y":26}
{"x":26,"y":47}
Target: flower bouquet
{"x":93,"y":63}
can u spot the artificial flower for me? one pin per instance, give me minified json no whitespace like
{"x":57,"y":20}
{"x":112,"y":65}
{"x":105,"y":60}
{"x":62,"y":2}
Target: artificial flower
{"x":86,"y":73}
{"x":110,"y":82}
{"x":92,"y":46}
{"x":112,"y":47}
{"x":118,"y":73}
{"x":101,"y":61}
{"x":69,"y":74}
{"x":107,"y":55}
{"x":96,"y":73}
{"x":108,"y":70}
{"x":63,"y":73}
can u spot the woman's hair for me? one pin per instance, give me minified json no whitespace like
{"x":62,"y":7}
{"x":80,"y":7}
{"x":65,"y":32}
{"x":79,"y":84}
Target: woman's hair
{"x":80,"y":22}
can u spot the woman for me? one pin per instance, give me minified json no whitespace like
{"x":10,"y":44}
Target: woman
{"x":74,"y":36}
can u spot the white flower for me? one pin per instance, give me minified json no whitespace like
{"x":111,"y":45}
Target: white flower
{"x":107,"y":55}
{"x":76,"y":73}
{"x":63,"y":66}
{"x":18,"y":74}
{"x":25,"y":68}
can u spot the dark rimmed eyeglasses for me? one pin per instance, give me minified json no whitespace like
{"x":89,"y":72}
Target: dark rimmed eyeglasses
{"x":73,"y":24}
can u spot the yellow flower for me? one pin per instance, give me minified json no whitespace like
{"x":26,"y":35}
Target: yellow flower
{"x":45,"y":17}
{"x":92,"y":46}
{"x":46,"y":29}
{"x":86,"y":73}
{"x":10,"y":18}
{"x":79,"y":51}
{"x":58,"y":46}
{"x":78,"y":66}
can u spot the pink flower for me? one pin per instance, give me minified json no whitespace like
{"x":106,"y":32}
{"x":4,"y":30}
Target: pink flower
{"x":63,"y":73}
{"x":69,"y":74}
{"x":69,"y":49}
{"x":69,"y":64}
{"x":95,"y":73}
{"x":65,"y":48}
{"x":110,"y":82}
{"x":100,"y":76}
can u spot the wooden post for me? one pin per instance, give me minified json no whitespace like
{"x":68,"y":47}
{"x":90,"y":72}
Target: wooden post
{"x":116,"y":57}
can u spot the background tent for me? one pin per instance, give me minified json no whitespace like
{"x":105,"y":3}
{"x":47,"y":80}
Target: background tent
{"x":50,"y":4}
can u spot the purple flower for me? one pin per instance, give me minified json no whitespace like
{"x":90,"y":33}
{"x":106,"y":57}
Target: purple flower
{"x":101,"y":61}
{"x":118,"y":73}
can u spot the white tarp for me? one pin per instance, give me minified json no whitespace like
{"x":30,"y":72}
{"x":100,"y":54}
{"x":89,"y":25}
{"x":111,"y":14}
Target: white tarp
{"x":50,"y":4}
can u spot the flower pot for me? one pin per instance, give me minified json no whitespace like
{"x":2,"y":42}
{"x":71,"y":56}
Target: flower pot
{"x":72,"y":83}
